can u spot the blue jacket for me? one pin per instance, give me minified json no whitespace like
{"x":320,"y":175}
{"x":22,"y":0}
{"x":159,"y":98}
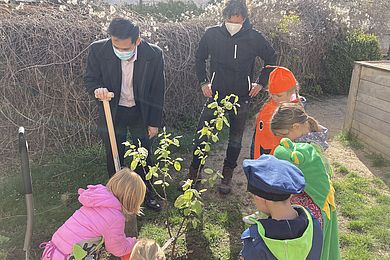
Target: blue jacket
{"x":254,"y":247}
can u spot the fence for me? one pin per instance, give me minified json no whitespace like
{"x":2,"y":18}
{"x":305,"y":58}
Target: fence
{"x":368,"y":111}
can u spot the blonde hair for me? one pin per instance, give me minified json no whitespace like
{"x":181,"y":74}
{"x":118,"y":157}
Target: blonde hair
{"x":289,"y":114}
{"x":293,"y":90}
{"x":129,"y":188}
{"x":147,"y":249}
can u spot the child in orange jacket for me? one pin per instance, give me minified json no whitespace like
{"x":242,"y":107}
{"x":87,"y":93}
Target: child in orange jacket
{"x":282,"y":87}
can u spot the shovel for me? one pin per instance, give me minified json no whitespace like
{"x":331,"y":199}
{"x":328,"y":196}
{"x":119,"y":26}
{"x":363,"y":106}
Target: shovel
{"x":26,"y":175}
{"x":131,"y":223}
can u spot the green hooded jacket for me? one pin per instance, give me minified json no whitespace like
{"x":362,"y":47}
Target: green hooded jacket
{"x":317,"y":172}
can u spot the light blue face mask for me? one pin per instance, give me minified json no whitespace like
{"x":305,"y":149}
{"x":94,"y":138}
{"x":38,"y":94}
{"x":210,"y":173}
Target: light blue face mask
{"x":124,"y":55}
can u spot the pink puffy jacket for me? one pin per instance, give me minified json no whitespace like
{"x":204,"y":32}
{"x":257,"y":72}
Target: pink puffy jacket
{"x":100,"y":215}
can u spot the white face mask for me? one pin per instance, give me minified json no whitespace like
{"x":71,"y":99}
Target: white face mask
{"x":233,"y":28}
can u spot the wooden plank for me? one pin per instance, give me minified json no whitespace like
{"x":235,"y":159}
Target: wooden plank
{"x":372,"y":145}
{"x":383,"y":64}
{"x":372,"y":101}
{"x":372,"y":121}
{"x":378,"y":76}
{"x":374,"y":90}
{"x":373,"y":112}
{"x":353,"y":90}
{"x":374,"y":134}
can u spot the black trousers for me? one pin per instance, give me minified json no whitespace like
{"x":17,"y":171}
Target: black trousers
{"x":236,"y":130}
{"x":128,"y":120}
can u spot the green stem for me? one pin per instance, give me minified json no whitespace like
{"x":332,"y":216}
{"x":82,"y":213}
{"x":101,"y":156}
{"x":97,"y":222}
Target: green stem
{"x":167,"y":213}
{"x":173,"y":251}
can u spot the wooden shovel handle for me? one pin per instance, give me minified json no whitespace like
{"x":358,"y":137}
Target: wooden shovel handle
{"x":111,"y":132}
{"x":131,"y":225}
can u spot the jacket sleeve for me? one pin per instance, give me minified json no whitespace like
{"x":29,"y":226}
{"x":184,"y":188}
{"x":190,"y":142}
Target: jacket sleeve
{"x":268,"y":55}
{"x":201,"y":55}
{"x":115,"y":240}
{"x":93,"y":76}
{"x":158,"y":94}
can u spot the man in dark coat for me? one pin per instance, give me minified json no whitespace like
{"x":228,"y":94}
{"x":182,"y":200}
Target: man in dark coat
{"x":232,"y":48}
{"x":133,"y":70}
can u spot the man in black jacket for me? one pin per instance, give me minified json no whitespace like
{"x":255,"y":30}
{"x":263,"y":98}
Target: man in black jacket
{"x":133,"y":70}
{"x":232,"y":47}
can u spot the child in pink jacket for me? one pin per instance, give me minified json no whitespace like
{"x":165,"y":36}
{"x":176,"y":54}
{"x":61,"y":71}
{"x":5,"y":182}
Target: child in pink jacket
{"x":102,"y":215}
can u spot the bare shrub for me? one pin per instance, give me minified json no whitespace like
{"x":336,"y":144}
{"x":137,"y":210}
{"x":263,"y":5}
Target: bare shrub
{"x":43,"y":49}
{"x":43,"y":57}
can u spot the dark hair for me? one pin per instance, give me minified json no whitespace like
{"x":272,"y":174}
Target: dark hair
{"x":235,"y":7}
{"x":123,"y":29}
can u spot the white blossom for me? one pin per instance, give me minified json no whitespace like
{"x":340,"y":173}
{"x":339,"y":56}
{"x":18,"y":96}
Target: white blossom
{"x":112,"y":9}
{"x":62,"y":8}
{"x":20,"y":6}
{"x":147,"y":34}
{"x":101,"y":14}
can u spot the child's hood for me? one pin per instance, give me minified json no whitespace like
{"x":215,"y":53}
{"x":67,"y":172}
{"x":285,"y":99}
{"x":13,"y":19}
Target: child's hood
{"x":98,"y":196}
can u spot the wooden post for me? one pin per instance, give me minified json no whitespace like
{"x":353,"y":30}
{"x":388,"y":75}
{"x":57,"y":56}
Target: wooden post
{"x":353,"y":90}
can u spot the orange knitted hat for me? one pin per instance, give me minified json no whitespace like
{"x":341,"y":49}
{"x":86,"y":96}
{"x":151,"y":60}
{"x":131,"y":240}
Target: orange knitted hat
{"x":281,"y":79}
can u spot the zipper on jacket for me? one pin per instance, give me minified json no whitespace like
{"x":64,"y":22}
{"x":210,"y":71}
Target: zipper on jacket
{"x":285,"y":249}
{"x":235,"y":51}
{"x":212,"y":79}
